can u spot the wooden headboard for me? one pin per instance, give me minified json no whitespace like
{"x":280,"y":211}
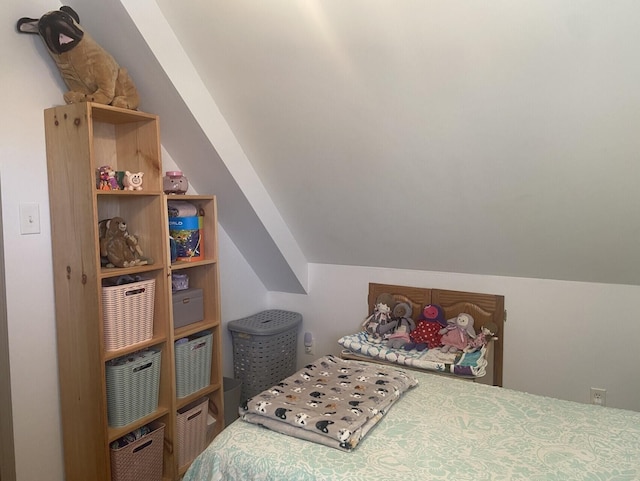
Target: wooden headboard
{"x":484,"y":308}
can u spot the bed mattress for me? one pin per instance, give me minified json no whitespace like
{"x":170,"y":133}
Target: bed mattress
{"x":443,"y":429}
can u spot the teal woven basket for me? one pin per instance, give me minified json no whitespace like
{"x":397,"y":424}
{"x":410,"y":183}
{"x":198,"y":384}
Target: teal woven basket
{"x":133,"y":385}
{"x":193,"y":364}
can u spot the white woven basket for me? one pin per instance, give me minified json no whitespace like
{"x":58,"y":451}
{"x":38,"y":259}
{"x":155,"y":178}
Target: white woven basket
{"x":128,"y":313}
{"x":192,"y":432}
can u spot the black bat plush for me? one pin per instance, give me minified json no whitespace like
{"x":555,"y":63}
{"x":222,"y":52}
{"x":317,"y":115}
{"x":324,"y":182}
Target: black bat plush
{"x":89,"y":71}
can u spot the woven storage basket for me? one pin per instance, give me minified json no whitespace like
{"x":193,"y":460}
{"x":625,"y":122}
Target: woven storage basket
{"x":140,"y":460}
{"x":132,"y":388}
{"x":193,"y":364}
{"x":264,"y":349}
{"x":192,"y":432}
{"x":128,"y":313}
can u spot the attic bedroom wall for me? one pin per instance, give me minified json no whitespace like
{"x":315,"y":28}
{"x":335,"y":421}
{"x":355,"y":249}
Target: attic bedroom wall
{"x":32,"y":84}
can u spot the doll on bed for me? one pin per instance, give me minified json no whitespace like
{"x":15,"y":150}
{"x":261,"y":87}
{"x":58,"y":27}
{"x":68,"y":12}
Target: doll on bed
{"x":458,"y":333}
{"x":380,"y":324}
{"x":402,"y":313}
{"x":427,"y":331}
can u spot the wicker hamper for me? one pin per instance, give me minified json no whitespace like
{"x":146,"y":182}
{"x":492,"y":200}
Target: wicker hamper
{"x":193,"y":364}
{"x":132,"y":387}
{"x":140,"y":460}
{"x":192,"y":431}
{"x":264,"y":349}
{"x":128,"y":313}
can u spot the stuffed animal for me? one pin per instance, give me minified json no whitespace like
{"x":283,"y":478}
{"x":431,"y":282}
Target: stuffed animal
{"x":89,"y":71}
{"x":486,"y":334}
{"x":427,"y":331}
{"x":458,"y":333}
{"x":117,"y":246}
{"x":404,"y":325}
{"x":379,"y":325}
{"x":107,"y":178}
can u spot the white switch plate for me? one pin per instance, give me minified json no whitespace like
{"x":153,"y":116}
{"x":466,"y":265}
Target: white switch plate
{"x":29,"y":219}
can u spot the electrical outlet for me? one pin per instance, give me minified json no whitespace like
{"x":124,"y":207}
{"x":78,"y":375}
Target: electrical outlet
{"x":598,"y":396}
{"x":308,"y":343}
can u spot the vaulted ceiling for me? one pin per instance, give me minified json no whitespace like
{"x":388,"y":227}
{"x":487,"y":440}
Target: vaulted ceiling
{"x":495,"y":138}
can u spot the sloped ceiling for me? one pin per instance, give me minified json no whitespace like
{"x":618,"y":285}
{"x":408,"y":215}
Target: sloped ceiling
{"x":495,"y":138}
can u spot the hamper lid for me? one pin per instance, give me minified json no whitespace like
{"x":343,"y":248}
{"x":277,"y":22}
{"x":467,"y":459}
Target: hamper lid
{"x":273,"y":321}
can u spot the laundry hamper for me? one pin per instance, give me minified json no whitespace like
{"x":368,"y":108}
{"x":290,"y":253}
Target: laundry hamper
{"x":264,"y":349}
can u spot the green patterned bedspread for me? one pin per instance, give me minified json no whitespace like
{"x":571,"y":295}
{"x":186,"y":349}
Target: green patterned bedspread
{"x":445,"y":429}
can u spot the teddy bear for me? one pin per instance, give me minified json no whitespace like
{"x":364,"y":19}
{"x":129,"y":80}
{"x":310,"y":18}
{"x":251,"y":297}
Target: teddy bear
{"x":379,"y":325}
{"x":457,"y":334}
{"x":88,"y":70}
{"x":427,"y":331}
{"x":404,"y":325}
{"x":117,"y":246}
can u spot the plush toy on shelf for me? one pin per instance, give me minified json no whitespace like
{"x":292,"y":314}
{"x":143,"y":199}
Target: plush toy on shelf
{"x":118,"y":248}
{"x":458,"y":333}
{"x":88,"y":70}
{"x":107,"y":178}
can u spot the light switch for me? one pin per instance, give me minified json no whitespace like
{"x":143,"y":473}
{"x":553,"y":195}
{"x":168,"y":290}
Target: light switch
{"x":29,"y":219}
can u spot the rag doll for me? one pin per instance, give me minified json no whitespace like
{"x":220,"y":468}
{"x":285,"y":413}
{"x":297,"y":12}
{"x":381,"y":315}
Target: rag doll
{"x":457,"y":334}
{"x":380,"y":324}
{"x":404,"y":325}
{"x":427,"y":331}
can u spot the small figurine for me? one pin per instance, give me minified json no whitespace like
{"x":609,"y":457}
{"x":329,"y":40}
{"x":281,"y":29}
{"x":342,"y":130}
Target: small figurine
{"x":107,"y":178}
{"x":133,"y":180}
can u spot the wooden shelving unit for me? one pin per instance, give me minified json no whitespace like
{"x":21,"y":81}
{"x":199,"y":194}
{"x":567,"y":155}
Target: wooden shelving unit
{"x":81,"y":138}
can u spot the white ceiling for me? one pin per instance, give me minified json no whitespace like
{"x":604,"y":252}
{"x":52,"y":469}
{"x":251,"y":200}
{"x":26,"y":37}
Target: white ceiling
{"x":496,"y":138}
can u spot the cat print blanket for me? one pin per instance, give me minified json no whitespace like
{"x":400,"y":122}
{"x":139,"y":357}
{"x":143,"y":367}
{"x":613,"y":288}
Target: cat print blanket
{"x":331,"y":401}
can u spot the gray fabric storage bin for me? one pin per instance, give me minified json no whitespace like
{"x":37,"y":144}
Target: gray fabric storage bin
{"x":264,"y":349}
{"x":187,"y":307}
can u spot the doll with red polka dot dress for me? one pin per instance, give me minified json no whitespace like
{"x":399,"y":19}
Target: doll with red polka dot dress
{"x":427,"y":331}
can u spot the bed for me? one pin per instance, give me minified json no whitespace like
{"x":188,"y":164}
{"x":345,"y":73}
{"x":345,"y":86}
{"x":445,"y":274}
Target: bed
{"x":443,"y":429}
{"x":485,"y":308}
{"x":438,"y":427}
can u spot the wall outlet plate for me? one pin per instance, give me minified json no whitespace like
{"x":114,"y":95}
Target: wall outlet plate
{"x":598,"y":396}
